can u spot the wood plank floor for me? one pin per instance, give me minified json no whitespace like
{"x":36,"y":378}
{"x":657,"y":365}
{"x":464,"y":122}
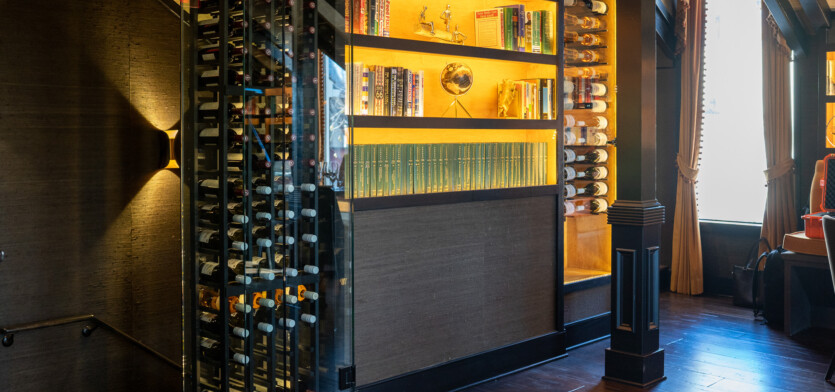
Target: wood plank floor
{"x":709,"y":345}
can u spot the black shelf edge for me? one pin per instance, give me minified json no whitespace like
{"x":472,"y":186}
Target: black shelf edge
{"x":409,"y":45}
{"x":454,"y":123}
{"x":428,"y":199}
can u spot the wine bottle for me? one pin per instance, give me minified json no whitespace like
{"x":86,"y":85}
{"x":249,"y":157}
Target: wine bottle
{"x":593,"y":173}
{"x":210,"y":111}
{"x":210,"y":54}
{"x":591,"y":23}
{"x":211,"y":78}
{"x":308,"y":213}
{"x":213,"y":349}
{"x":569,"y":191}
{"x":212,"y":213}
{"x":305,"y":294}
{"x":597,"y":6}
{"x":235,"y":136}
{"x":211,"y":322}
{"x":571,"y":37}
{"x":308,"y":318}
{"x":237,"y":160}
{"x":591,"y":40}
{"x":234,"y":188}
{"x":569,"y":174}
{"x":594,"y":189}
{"x":584,"y":56}
{"x":311,"y":269}
{"x":212,"y":240}
{"x":593,"y":206}
{"x":598,"y":106}
{"x":210,"y":299}
{"x":210,"y":28}
{"x":214,"y":272}
{"x":569,"y":156}
{"x":597,"y":155}
{"x":572,"y":20}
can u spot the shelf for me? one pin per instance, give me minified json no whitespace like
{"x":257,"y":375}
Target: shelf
{"x":428,"y":199}
{"x":582,"y":64}
{"x":450,"y":123}
{"x":578,"y":279}
{"x":408,"y":45}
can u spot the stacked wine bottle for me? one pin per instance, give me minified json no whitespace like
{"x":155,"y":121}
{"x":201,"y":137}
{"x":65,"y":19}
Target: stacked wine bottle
{"x":256,"y":202}
{"x":585,"y":100}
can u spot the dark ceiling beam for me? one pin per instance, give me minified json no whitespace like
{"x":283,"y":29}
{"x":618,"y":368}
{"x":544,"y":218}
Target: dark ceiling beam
{"x":789,"y":25}
{"x":817,"y":11}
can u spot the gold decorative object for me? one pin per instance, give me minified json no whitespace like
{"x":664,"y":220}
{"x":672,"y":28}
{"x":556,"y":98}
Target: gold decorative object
{"x":507,"y":94}
{"x":456,"y":79}
{"x":427,"y":29}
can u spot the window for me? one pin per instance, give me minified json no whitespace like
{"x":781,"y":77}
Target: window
{"x":731,"y":183}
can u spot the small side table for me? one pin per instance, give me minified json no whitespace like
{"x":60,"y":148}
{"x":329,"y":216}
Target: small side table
{"x":803,"y":296}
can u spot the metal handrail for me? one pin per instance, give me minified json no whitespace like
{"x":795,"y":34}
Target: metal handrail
{"x":94,"y":323}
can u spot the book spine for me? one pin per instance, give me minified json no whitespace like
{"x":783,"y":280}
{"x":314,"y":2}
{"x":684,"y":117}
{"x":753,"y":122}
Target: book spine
{"x":536,"y":44}
{"x":387,"y":92}
{"x":379,"y":93}
{"x":547,"y":32}
{"x":364,"y":92}
{"x":508,"y":28}
{"x":387,"y":18}
{"x":398,"y":105}
{"x":528,"y":30}
{"x":521,"y":32}
{"x":420,"y":94}
{"x":515,"y":26}
{"x":363,"y":17}
{"x":370,"y":90}
{"x":409,"y":93}
{"x":372,"y":17}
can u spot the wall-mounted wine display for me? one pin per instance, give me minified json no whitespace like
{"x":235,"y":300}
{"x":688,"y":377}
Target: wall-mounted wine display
{"x":251,"y":113}
{"x":589,"y":104}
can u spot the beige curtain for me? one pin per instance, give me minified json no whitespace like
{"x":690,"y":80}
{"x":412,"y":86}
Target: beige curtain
{"x":779,"y":217}
{"x":687,"y":244}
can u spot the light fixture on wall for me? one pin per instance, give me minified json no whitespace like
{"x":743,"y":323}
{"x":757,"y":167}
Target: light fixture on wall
{"x":169,"y":150}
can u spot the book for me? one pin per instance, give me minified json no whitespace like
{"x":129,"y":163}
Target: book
{"x":398,"y":103}
{"x":489,"y":28}
{"x":536,"y":37}
{"x":372,"y":17}
{"x":507,"y":32}
{"x":364,"y":92}
{"x":547,"y":31}
{"x":421,"y":102}
{"x":386,"y":17}
{"x":370,"y":89}
{"x":379,"y":92}
{"x":387,"y":92}
{"x":409,"y":94}
{"x":528,"y":30}
{"x":518,"y":18}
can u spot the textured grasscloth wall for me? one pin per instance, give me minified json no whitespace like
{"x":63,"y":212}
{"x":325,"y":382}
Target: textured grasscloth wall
{"x":438,"y":283}
{"x":88,"y":225}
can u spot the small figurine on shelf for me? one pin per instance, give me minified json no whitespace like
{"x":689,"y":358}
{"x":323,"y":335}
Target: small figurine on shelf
{"x":507,"y":94}
{"x":427,"y":29}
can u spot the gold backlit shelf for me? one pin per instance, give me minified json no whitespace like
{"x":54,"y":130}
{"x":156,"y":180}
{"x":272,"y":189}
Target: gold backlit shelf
{"x":447,"y":122}
{"x":408,"y":45}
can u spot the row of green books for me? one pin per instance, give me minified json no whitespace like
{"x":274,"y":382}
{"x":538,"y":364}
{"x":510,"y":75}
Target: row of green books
{"x":511,"y":27}
{"x":405,"y":169}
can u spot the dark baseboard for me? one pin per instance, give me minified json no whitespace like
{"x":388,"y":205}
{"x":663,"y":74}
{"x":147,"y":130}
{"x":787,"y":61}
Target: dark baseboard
{"x":476,"y":368}
{"x":587,"y":330}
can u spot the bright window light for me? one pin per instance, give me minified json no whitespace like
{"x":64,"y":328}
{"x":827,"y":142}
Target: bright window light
{"x":731,"y":183}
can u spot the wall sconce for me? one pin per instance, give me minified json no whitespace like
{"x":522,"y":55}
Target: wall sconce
{"x":169,"y":150}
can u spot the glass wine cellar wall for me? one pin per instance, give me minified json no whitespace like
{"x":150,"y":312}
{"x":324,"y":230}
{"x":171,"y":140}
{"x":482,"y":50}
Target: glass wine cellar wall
{"x":267,"y":276}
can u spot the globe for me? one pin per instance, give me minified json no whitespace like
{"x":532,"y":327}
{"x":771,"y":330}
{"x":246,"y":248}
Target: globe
{"x":457,"y":78}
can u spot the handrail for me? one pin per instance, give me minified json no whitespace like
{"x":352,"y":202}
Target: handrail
{"x":9,"y":332}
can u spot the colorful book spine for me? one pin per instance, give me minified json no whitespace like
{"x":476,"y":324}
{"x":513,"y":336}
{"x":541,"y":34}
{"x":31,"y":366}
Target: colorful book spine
{"x":379,"y":93}
{"x":372,"y":17}
{"x":386,"y":17}
{"x":507,"y":32}
{"x":489,"y":28}
{"x":547,"y":31}
{"x":408,"y":87}
{"x":387,"y":91}
{"x":364,"y":92}
{"x":536,"y":25}
{"x":370,"y":89}
{"x":397,"y":94}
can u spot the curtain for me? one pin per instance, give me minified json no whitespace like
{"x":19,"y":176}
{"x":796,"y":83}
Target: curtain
{"x":687,"y":277}
{"x":779,"y":217}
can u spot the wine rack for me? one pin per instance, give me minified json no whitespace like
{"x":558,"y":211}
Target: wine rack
{"x":250,"y":129}
{"x":589,"y":155}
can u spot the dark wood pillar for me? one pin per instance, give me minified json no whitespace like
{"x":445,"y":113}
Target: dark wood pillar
{"x":636,"y":216}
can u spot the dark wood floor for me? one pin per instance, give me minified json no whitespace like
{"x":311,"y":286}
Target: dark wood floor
{"x":710,"y":345}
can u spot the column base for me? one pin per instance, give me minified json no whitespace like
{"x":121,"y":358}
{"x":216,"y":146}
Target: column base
{"x":633,"y":369}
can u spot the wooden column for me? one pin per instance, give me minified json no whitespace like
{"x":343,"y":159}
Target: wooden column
{"x":636,"y":216}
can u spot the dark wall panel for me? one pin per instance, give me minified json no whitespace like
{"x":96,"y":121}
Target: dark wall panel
{"x":723,"y":246}
{"x":88,"y":224}
{"x":437,"y":283}
{"x":667,"y":112}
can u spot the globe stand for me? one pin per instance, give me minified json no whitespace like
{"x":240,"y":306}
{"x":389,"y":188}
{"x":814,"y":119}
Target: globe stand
{"x":453,"y":104}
